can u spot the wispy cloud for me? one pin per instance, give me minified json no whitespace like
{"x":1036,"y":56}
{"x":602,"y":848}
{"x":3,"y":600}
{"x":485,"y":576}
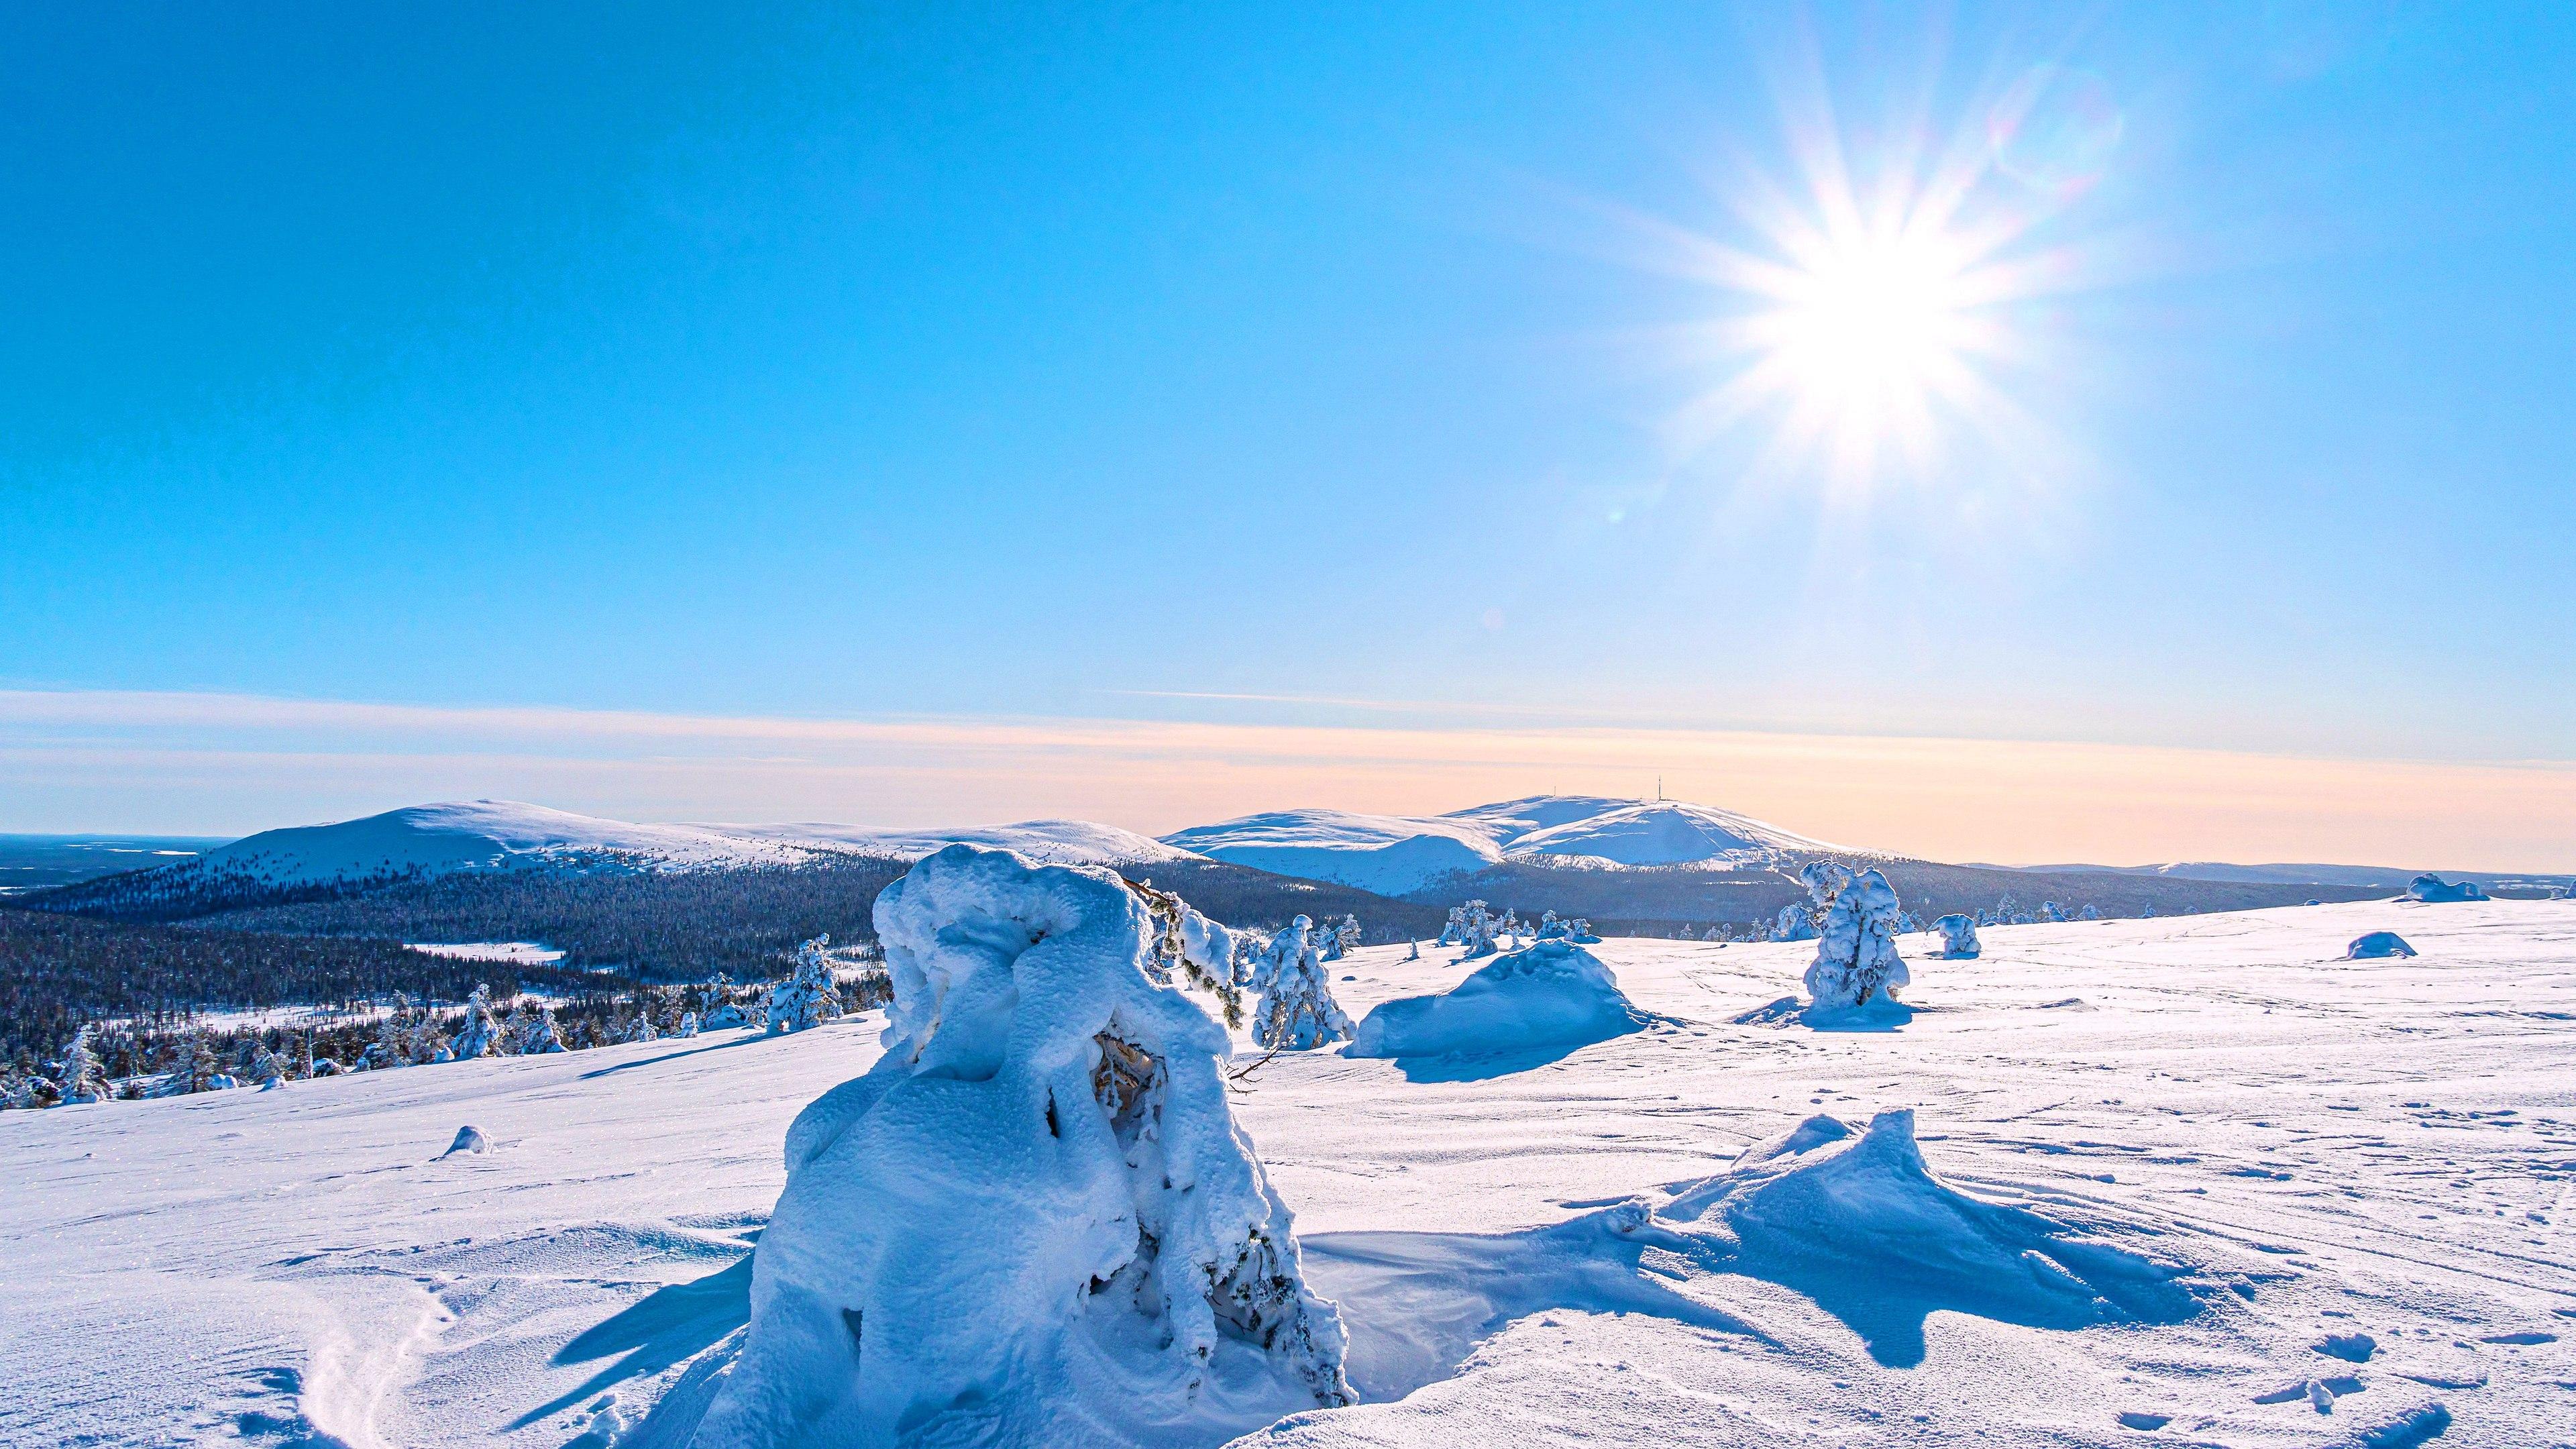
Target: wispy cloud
{"x":216,"y":762}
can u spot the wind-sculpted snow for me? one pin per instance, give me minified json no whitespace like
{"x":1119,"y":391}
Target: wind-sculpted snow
{"x":2331,"y":1152}
{"x":2433,"y":890}
{"x":1515,"y":1012}
{"x":1034,"y":1222}
{"x":2376,"y":946}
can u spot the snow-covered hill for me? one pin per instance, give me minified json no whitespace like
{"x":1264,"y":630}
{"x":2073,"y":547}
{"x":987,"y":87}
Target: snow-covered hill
{"x":1053,"y":842}
{"x":1394,"y":854}
{"x":2190,"y":1180}
{"x":1389,"y":854}
{"x":439,"y":839}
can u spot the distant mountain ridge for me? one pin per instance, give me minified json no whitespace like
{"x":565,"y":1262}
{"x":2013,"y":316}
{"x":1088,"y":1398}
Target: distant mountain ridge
{"x":1398,"y":854}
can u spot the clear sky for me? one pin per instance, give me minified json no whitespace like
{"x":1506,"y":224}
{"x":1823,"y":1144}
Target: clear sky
{"x":1379,"y":407}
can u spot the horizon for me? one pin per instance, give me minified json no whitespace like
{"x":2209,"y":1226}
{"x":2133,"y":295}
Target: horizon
{"x":1983,"y":432}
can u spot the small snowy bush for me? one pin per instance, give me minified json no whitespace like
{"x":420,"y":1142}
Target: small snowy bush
{"x":1034,"y":1221}
{"x":1856,"y":960}
{"x":1297,"y":1009}
{"x":1958,"y":937}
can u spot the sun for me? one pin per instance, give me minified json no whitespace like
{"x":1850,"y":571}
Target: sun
{"x":1876,"y":309}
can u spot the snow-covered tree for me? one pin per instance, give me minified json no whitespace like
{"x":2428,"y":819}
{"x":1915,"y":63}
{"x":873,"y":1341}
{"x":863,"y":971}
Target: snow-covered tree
{"x":1716,"y":932}
{"x":1099,"y":1231}
{"x":1297,"y":1009}
{"x":1579,"y":931}
{"x":1476,"y":929}
{"x":1796,"y":922}
{"x":688,"y":1026}
{"x":722,"y":1011}
{"x":82,"y":1078}
{"x":1188,"y":945}
{"x":2091,"y":912}
{"x":1958,"y":937}
{"x":391,"y":1047}
{"x":808,"y":997}
{"x":1346,"y":937}
{"x":537,"y":1034}
{"x":1455,"y":933}
{"x":1413,"y":951}
{"x":197,"y":1070}
{"x":642,"y":1028}
{"x":2052,"y":913}
{"x":478,"y":1034}
{"x":267,"y":1069}
{"x":1856,"y":960}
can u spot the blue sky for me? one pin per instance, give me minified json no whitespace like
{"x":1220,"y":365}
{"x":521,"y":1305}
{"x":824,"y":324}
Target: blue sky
{"x":1281,"y":367}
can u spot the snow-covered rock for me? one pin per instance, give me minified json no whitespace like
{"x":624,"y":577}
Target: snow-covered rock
{"x":1034,"y":1221}
{"x":2433,"y":890}
{"x":2377,"y":945}
{"x":1554,"y":994}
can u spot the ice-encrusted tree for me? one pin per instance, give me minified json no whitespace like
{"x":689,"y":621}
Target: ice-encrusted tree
{"x":538,"y":1036}
{"x":1856,"y":960}
{"x":1034,"y":1221}
{"x":267,"y":1069}
{"x":1455,"y":933}
{"x":808,"y":997}
{"x":2091,"y":912}
{"x":1476,"y":930}
{"x":688,"y":1026}
{"x":196,"y":1070}
{"x":1958,"y":936}
{"x":1796,"y":922}
{"x":1297,"y":1010}
{"x":1413,"y":951}
{"x":2051,"y":913}
{"x":478,"y":1033}
{"x":82,"y":1078}
{"x":1346,"y":936}
{"x":642,"y":1029}
{"x":1197,"y":950}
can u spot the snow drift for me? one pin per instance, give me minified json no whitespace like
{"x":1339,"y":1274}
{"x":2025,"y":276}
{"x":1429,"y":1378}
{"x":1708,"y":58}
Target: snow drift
{"x":1858,"y":1223}
{"x":1034,"y":1221}
{"x":1553,"y":996}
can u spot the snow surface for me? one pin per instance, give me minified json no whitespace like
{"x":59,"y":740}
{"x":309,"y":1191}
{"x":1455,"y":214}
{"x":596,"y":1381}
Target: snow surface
{"x":2362,"y":1170}
{"x":1394,"y":854}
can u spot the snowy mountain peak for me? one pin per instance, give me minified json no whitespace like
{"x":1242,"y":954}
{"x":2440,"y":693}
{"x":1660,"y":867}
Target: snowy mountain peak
{"x":451,"y":836}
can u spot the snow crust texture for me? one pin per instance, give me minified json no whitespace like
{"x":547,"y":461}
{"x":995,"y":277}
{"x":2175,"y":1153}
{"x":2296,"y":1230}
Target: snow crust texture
{"x":1034,"y":1222}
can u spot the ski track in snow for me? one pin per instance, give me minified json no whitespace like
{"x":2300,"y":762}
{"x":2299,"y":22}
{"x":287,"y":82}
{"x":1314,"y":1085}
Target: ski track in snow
{"x":2360,"y":1171}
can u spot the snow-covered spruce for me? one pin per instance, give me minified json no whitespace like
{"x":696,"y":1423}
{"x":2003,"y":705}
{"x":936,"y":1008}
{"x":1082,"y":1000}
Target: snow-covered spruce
{"x":1796,"y":922}
{"x":537,"y":1034}
{"x":1189,"y":945}
{"x":1297,"y":1009}
{"x":479,"y":1035}
{"x":1034,"y":1221}
{"x":807,"y":998}
{"x":1856,"y":961}
{"x":1958,"y":937}
{"x":1476,"y":929}
{"x":83,"y":1079}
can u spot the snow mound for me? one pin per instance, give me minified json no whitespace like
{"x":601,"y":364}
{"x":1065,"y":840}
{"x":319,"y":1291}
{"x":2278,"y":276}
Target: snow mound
{"x":1857,"y":1222}
{"x":1051,"y":842}
{"x":2433,"y":890}
{"x":1553,"y":996}
{"x":1958,"y":937}
{"x":1034,"y":1221}
{"x":1667,"y":832}
{"x":470,"y":1139}
{"x":2377,"y":945}
{"x":443,"y":839}
{"x":1389,"y":854}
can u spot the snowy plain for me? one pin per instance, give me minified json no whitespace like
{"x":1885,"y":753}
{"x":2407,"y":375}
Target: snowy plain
{"x":2354,"y":1174}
